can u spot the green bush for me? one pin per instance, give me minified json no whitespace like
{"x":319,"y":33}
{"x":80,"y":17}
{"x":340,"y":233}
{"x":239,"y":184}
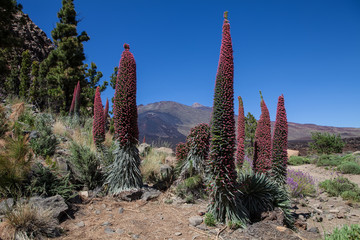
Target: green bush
{"x":85,"y":166}
{"x":209,"y":220}
{"x":345,"y":233}
{"x":326,"y":143}
{"x":45,"y":182}
{"x":46,"y":142}
{"x":190,"y":188}
{"x":349,"y":168}
{"x":343,"y":187}
{"x":328,"y":160}
{"x":297,"y":160}
{"x":261,"y":194}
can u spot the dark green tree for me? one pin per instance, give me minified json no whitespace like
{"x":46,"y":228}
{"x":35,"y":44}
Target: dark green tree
{"x":34,"y":87}
{"x":25,"y":74}
{"x":326,"y":143}
{"x":93,"y":78}
{"x":12,"y":80}
{"x":250,"y":129}
{"x":64,"y":66}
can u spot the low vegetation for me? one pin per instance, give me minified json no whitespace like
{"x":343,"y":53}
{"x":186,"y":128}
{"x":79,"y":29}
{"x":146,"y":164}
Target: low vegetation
{"x":298,"y":160}
{"x":345,"y":233}
{"x":300,"y":184}
{"x":341,"y":186}
{"x":326,"y":143}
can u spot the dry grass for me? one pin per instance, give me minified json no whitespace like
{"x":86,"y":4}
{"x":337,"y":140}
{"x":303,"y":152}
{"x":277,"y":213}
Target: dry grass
{"x":108,"y":139}
{"x":83,"y":138}
{"x":28,"y":220}
{"x":16,"y":111}
{"x":59,"y":128}
{"x":150,"y":165}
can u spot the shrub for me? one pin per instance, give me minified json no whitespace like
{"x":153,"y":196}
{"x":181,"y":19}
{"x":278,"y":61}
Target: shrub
{"x":261,"y":194}
{"x":349,"y":168}
{"x":85,"y":166}
{"x":150,"y":166}
{"x":279,"y":144}
{"x":190,"y":188}
{"x":262,"y":149}
{"x":326,"y":143}
{"x":209,"y":220}
{"x":298,"y":160}
{"x":30,"y":221}
{"x":345,"y":233}
{"x":225,"y":203}
{"x":46,"y":142}
{"x":343,"y":187}
{"x":300,"y":184}
{"x":15,"y":164}
{"x":47,"y":183}
{"x":328,"y":160}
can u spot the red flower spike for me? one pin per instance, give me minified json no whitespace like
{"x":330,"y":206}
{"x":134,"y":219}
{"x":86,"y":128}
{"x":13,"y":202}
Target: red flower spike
{"x":99,"y":120}
{"x":240,"y":135}
{"x":125,"y":109}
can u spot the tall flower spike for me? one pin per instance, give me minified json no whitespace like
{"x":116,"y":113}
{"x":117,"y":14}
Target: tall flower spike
{"x":77,"y":99}
{"x":99,"y":120}
{"x":280,"y":141}
{"x":124,"y":173}
{"x":226,"y":204}
{"x":262,"y":164}
{"x":73,"y":102}
{"x":240,"y":135}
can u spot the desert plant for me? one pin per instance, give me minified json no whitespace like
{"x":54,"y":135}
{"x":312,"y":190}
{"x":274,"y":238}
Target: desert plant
{"x":345,"y":233}
{"x":209,"y":220}
{"x":190,"y":188}
{"x":240,"y":138}
{"x":15,"y":164}
{"x":46,"y":142}
{"x":349,"y":168}
{"x":225,"y":203}
{"x":328,"y":160}
{"x":46,"y":182}
{"x":300,"y":184}
{"x":31,"y":222}
{"x":279,"y":144}
{"x":182,"y":150}
{"x":151,"y":164}
{"x":326,"y":143}
{"x":262,"y":194}
{"x":198,"y":144}
{"x":3,"y":121}
{"x":124,"y":173}
{"x":99,"y":121}
{"x":250,"y":129}
{"x":343,"y":187}
{"x":298,"y":160}
{"x":262,"y":151}
{"x":85,"y":165}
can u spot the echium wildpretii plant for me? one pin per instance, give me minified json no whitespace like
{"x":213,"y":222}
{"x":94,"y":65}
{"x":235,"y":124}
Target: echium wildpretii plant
{"x":106,"y":114}
{"x":262,"y":158}
{"x":182,"y":150}
{"x":198,"y":144}
{"x":225,"y":204}
{"x":75,"y":103}
{"x":99,"y":120}
{"x":240,"y":138}
{"x":124,"y":173}
{"x":279,"y":144}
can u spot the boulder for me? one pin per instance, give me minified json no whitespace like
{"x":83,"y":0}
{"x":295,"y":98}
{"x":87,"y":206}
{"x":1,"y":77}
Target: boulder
{"x":150,"y":193}
{"x":168,"y":151}
{"x":292,"y":153}
{"x":144,"y":149}
{"x":195,"y":220}
{"x":55,"y":203}
{"x":5,"y":205}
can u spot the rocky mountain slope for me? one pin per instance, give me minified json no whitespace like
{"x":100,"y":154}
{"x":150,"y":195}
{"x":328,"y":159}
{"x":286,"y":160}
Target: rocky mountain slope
{"x":171,"y":122}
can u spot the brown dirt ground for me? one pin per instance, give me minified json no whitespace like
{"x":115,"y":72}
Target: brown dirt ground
{"x":158,"y":220}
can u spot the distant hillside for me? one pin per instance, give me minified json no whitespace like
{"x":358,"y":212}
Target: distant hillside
{"x":171,"y":122}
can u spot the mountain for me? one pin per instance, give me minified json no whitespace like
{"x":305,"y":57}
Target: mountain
{"x":171,"y":122}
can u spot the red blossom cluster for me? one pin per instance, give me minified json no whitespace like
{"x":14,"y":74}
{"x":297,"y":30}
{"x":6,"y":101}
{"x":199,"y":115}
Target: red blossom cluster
{"x":75,"y":103}
{"x":262,"y":156}
{"x":182,"y":150}
{"x":280,"y":141}
{"x":125,"y":109}
{"x":240,"y":139}
{"x":99,"y":119}
{"x":198,"y":139}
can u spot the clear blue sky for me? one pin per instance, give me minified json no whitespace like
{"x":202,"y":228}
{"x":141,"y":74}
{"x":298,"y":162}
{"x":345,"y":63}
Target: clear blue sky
{"x":308,"y":50}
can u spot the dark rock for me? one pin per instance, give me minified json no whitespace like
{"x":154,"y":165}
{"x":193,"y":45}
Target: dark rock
{"x":109,"y":231}
{"x":55,"y":203}
{"x":121,"y":210}
{"x":150,"y":193}
{"x":300,"y":224}
{"x":106,"y":224}
{"x":130,"y":195}
{"x":313,"y":230}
